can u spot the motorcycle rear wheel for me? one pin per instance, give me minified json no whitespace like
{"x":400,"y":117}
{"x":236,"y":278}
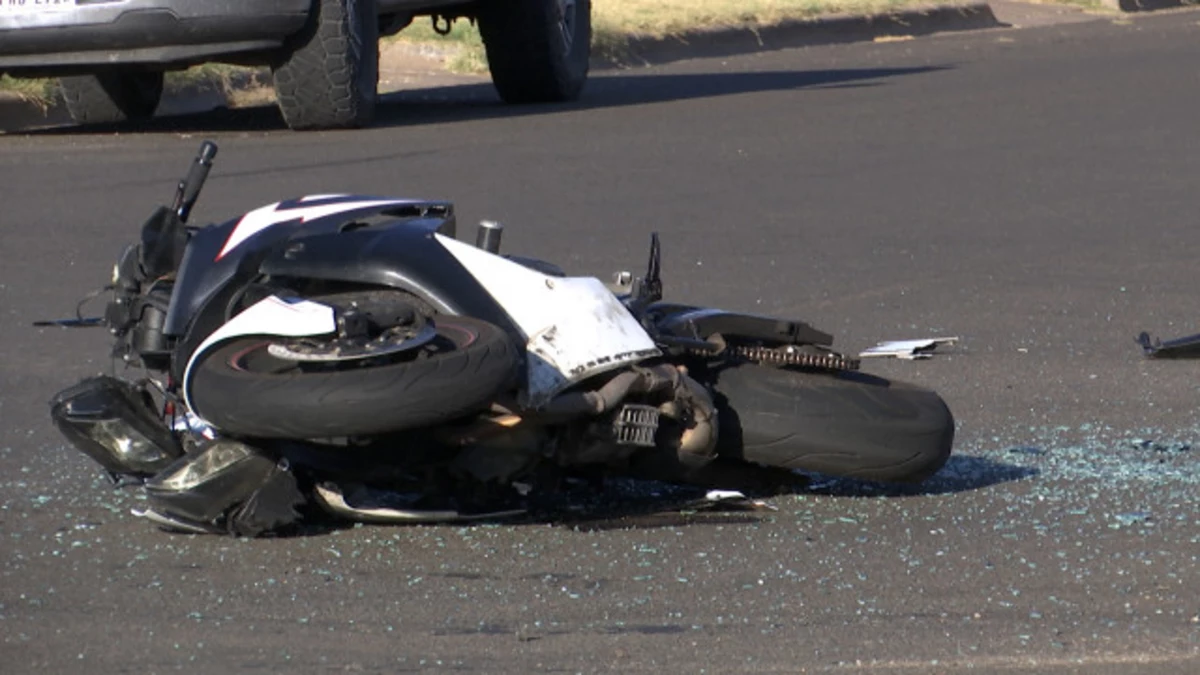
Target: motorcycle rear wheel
{"x":845,"y":424}
{"x":242,"y":390}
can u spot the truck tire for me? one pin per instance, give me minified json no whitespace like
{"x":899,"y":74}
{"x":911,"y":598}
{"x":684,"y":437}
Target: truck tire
{"x":845,"y":424}
{"x":537,"y":50}
{"x":242,"y":390}
{"x":330,"y":73}
{"x":112,"y":96}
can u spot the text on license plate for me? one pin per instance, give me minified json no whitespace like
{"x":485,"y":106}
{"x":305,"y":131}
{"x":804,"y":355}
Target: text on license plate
{"x":34,"y":6}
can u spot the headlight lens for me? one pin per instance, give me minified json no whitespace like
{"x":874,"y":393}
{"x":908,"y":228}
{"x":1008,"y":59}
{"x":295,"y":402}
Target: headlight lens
{"x":112,"y":422}
{"x":201,"y":468}
{"x":125,"y":442}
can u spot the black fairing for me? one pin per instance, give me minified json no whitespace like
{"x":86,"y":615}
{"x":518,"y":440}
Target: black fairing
{"x":390,"y":245}
{"x":201,"y":275}
{"x":164,"y":240}
{"x":397,"y":255}
{"x":699,"y":323}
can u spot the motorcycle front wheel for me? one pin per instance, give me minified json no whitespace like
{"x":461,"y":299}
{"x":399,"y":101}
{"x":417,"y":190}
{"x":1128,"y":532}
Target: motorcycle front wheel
{"x":242,"y":389}
{"x":841,"y":423}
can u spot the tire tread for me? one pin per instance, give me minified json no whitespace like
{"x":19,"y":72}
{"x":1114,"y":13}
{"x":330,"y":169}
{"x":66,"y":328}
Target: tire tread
{"x":527,"y":62}
{"x":324,"y":83}
{"x":851,"y":425}
{"x":112,"y":97}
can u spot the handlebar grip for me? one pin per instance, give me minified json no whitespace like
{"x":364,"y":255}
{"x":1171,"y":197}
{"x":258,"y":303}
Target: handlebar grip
{"x":197,"y":174}
{"x":208,"y":152}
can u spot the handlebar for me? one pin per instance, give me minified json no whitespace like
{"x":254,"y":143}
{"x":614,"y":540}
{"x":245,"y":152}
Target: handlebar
{"x":189,"y":187}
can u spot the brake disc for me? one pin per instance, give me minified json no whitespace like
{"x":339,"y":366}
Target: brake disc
{"x":391,"y":341}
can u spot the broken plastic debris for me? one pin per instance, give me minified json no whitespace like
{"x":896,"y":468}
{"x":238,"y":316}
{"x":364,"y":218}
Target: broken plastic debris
{"x":736,"y":500}
{"x":175,"y":524}
{"x":721,"y":495}
{"x":1179,"y":348}
{"x":1132,"y":518}
{"x":908,"y":350}
{"x":193,"y":423}
{"x":365,"y":505}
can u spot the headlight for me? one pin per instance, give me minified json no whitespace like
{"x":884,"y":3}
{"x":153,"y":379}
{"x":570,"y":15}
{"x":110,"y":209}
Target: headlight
{"x":112,"y":422}
{"x":125,"y":442}
{"x":216,"y":459}
{"x":202,"y":486}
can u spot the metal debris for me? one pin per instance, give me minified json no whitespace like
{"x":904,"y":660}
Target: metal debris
{"x":908,"y":350}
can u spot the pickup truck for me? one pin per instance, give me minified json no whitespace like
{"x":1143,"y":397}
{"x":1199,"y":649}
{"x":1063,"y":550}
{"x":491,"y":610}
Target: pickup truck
{"x":110,"y":55}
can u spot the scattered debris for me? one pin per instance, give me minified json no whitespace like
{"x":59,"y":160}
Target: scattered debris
{"x":1132,"y":518}
{"x":908,"y":350}
{"x":1179,"y":348}
{"x":736,"y":501}
{"x":1163,"y":447}
{"x":172,"y":524}
{"x":363,"y":504}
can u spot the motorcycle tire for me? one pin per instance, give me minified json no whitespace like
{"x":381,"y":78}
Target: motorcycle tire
{"x":242,"y":390}
{"x":844,"y":424}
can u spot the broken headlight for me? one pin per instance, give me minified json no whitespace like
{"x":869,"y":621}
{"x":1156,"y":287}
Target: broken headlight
{"x":114,"y":423}
{"x":227,"y":485}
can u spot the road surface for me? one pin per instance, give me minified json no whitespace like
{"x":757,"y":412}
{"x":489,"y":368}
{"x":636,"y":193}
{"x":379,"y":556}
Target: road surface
{"x":1033,"y":192}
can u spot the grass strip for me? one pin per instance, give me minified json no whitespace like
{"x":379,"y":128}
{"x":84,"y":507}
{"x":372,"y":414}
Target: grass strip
{"x":616,"y":22}
{"x":218,"y":76}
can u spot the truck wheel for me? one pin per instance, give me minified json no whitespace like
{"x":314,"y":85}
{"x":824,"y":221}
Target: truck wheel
{"x":537,"y":50}
{"x":330,"y":73}
{"x":114,"y":96}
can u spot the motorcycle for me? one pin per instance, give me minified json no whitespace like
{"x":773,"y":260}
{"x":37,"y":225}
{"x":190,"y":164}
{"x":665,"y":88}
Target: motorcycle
{"x":348,"y":355}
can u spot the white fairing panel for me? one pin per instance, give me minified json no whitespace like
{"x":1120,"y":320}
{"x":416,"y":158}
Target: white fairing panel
{"x":575,"y":327}
{"x":270,"y":316}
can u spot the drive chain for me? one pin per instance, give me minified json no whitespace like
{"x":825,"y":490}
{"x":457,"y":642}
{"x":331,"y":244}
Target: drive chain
{"x":790,"y":356}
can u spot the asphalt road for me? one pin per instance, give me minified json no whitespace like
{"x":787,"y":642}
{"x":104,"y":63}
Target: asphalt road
{"x":1033,"y":192}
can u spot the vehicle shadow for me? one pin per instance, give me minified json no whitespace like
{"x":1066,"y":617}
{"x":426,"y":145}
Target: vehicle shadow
{"x":621,"y":503}
{"x":630,"y":503}
{"x":478,"y":101}
{"x":962,"y":473}
{"x":634,"y":504}
{"x":663,"y":505}
{"x":474,"y":102}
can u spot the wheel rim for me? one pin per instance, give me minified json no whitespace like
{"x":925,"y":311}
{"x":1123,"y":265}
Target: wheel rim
{"x":392,"y":341}
{"x":566,"y":22}
{"x":283,"y":357}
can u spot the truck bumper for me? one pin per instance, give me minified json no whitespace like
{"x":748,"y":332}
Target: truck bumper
{"x":46,"y":36}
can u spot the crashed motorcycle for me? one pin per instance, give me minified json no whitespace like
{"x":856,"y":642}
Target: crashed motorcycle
{"x":349,"y":356}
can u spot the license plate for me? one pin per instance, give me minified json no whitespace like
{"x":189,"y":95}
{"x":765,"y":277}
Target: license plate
{"x":34,"y":6}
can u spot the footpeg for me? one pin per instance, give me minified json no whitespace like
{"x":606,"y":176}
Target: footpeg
{"x":636,"y":425}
